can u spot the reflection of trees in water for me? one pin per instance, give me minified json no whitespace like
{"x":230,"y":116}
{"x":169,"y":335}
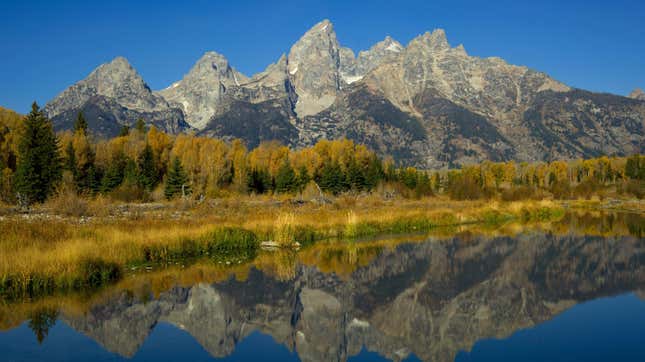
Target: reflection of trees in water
{"x":41,"y":321}
{"x":601,"y":223}
{"x":428,"y":298}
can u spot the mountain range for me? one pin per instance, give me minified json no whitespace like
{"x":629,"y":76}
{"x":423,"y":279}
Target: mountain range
{"x":426,"y":104}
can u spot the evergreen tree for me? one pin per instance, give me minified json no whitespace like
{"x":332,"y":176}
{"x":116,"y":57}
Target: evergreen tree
{"x":114,"y":175}
{"x":259,"y":181}
{"x":125,"y":130}
{"x":130,"y":172}
{"x":635,"y":168}
{"x":141,"y":125}
{"x":147,"y":169}
{"x":70,"y":160}
{"x":332,"y":178}
{"x":355,"y":177}
{"x":374,"y":173}
{"x":93,"y":180}
{"x":39,"y":164}
{"x":285,"y":180}
{"x":85,"y":167}
{"x":303,"y":178}
{"x":424,"y":186}
{"x":177,"y":181}
{"x":81,"y":124}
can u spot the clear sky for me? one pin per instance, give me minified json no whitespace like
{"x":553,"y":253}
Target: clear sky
{"x":49,"y":45}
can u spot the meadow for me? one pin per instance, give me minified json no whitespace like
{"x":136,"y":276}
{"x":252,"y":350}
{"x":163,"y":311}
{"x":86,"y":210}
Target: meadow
{"x":43,"y":252}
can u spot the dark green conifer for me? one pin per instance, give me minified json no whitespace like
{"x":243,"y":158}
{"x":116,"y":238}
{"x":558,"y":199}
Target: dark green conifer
{"x":285,"y":180}
{"x":39,"y":167}
{"x":332,"y":178}
{"x":177,"y":181}
{"x":355,"y":176}
{"x":259,"y":181}
{"x":114,"y":174}
{"x":303,"y":178}
{"x":141,"y":125}
{"x":70,"y":159}
{"x":81,"y":124}
{"x":147,"y":169}
{"x":125,"y":130}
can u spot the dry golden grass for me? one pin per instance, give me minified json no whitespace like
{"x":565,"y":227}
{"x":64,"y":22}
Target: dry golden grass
{"x":54,"y":246}
{"x":122,"y":233}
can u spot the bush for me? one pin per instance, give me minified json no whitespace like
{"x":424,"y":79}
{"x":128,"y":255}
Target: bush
{"x":561,"y":190}
{"x":465,"y":188}
{"x":586,"y":189}
{"x":96,"y":273}
{"x":633,"y":187}
{"x":68,"y":202}
{"x":129,"y":193}
{"x":518,"y":193}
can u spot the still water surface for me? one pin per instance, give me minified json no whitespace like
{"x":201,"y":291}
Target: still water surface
{"x":533,"y":296}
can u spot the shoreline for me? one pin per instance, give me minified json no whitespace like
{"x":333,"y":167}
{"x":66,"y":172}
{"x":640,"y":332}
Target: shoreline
{"x":49,"y":253}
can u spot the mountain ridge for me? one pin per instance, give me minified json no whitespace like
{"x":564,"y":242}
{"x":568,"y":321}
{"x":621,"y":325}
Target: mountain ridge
{"x":469,"y":108}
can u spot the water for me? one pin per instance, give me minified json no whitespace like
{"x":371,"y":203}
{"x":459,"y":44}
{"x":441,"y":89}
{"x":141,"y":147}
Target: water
{"x":534,"y":296}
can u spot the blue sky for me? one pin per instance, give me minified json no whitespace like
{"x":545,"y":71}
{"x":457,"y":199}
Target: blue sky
{"x":49,"y":45}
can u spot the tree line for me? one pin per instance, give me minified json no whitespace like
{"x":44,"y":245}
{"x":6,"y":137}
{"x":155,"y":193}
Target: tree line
{"x":142,"y":161}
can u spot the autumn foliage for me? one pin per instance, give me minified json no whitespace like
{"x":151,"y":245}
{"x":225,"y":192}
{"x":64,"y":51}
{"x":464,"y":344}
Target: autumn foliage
{"x":144,"y":162}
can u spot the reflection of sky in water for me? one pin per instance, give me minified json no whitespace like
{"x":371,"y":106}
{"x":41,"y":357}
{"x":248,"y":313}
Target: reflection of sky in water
{"x":607,"y":329}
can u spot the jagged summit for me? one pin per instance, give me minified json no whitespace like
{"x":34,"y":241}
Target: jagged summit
{"x":115,"y":79}
{"x":118,"y":62}
{"x":115,"y":94}
{"x":436,"y":40}
{"x":324,"y":25}
{"x":202,"y":90}
{"x":313,"y":64}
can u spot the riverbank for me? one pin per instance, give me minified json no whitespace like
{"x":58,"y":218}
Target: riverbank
{"x":44,"y":252}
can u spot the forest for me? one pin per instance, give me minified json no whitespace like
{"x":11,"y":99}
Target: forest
{"x":144,"y":164}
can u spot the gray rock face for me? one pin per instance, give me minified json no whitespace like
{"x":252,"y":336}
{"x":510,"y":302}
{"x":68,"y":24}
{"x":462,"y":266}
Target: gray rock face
{"x":115,"y":94}
{"x":488,"y":86}
{"x":354,"y":69}
{"x":313,"y":65}
{"x":637,"y":94}
{"x":202,"y":91}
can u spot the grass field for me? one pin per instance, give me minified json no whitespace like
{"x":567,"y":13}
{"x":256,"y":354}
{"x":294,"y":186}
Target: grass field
{"x":42,"y":253}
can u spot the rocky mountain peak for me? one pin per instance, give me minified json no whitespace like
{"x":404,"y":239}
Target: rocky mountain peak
{"x":314,"y":68}
{"x":391,"y":44}
{"x":119,"y":62}
{"x":354,"y":69}
{"x":637,"y":94}
{"x":211,"y":62}
{"x":114,"y":94}
{"x":117,"y":80}
{"x":324,"y":26}
{"x":436,"y":40}
{"x":200,"y":92}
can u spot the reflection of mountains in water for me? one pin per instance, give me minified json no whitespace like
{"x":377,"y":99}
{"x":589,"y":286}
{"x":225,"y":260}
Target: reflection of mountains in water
{"x":430,"y":299}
